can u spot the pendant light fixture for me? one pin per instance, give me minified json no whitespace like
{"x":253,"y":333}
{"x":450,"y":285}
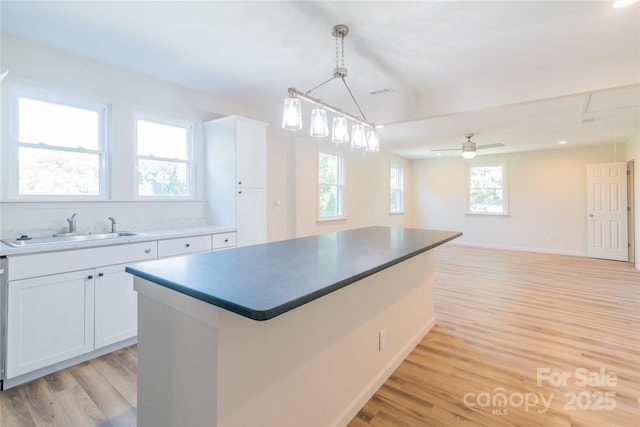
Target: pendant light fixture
{"x":364,"y":134}
{"x":292,"y":116}
{"x":358,"y":136}
{"x":339,"y":130}
{"x":319,"y":126}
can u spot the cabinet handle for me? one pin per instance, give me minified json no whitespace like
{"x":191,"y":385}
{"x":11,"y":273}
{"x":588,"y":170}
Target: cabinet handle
{"x":239,"y":192}
{"x":148,"y":250}
{"x":100,"y":274}
{"x":90,"y":276}
{"x":239,"y":182}
{"x":226,"y":240}
{"x":187,"y":245}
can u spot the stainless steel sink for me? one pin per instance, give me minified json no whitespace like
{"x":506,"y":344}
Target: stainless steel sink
{"x":25,"y":241}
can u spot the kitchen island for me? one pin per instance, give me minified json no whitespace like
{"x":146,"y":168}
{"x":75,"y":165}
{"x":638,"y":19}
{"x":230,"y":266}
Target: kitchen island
{"x":290,"y":333}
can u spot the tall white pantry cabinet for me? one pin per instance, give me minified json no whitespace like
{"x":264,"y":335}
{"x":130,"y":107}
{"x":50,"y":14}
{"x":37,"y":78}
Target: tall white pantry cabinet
{"x":236,"y":176}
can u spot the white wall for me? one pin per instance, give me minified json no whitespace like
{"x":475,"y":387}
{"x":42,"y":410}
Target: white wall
{"x":34,"y":64}
{"x":366,"y":187}
{"x":291,"y":163}
{"x":547,"y":196}
{"x":547,"y":189}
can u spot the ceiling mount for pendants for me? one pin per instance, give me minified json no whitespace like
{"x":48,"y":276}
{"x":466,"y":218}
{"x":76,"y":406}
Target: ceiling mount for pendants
{"x":340,"y":31}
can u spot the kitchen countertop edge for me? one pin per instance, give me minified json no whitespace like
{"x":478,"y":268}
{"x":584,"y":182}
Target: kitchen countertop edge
{"x":144,"y":236}
{"x":267,"y":313}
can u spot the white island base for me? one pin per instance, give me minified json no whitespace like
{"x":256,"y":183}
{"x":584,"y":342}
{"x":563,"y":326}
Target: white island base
{"x":316,"y":365}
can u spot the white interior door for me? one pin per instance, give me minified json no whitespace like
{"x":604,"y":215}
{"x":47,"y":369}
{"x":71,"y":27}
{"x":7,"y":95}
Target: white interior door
{"x":607,"y":211}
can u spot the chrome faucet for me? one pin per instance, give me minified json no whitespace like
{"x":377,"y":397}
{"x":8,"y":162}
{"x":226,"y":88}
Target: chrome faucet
{"x":113,"y":224}
{"x":72,"y":223}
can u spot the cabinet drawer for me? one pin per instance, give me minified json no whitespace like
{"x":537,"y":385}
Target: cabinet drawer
{"x":224,"y":240}
{"x":183,"y":246}
{"x":43,"y":264}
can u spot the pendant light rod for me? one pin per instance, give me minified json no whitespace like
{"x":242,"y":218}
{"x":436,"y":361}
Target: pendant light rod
{"x":293,"y":92}
{"x":354,"y":98}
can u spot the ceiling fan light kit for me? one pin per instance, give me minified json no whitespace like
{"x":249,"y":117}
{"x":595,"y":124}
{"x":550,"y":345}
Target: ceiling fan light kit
{"x":469,"y":148}
{"x":364,"y":134}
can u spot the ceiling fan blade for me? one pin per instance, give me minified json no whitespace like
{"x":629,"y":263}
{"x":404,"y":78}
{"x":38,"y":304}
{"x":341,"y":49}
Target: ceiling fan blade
{"x":448,"y":149}
{"x":499,"y":144}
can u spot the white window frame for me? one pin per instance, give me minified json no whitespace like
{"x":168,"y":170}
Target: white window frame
{"x":17,"y":91}
{"x":505,"y":188}
{"x":339,"y":185}
{"x":190,"y":161}
{"x":400,"y":186}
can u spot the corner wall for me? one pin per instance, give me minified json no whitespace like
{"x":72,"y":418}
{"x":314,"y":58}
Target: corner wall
{"x":366,"y":187}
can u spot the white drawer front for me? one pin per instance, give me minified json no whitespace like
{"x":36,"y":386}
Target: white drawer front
{"x":24,"y":266}
{"x":224,"y":240}
{"x":183,"y":246}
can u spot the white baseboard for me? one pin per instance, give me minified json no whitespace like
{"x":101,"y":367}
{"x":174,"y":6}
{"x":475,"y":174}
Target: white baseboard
{"x":518,"y":248}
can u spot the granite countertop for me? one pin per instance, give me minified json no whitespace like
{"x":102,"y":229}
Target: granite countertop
{"x":145,"y":236}
{"x":266,"y":280}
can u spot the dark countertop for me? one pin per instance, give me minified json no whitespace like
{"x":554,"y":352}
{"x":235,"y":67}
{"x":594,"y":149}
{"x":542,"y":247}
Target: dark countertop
{"x":262,"y":281}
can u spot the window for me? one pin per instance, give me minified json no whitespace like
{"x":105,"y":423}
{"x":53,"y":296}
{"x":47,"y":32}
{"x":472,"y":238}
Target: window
{"x":164,"y":152}
{"x":396,"y":188}
{"x":59,"y":145}
{"x":488,"y":189}
{"x":330,"y":186}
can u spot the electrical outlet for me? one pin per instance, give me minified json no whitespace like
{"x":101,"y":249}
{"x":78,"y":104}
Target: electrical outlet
{"x":550,"y":238}
{"x":381,"y":339}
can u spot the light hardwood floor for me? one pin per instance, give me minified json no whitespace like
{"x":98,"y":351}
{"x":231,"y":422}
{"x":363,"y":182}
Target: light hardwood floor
{"x":501,"y":317}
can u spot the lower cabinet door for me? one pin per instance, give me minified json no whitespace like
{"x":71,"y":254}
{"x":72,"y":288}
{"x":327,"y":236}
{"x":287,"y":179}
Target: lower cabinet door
{"x":116,"y":305}
{"x":251,"y":216}
{"x":50,"y":319}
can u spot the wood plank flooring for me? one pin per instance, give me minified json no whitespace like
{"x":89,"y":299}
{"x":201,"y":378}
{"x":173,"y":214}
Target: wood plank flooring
{"x":501,"y":317}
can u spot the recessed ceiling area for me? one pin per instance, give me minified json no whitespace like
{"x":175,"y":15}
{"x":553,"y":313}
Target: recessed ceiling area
{"x":526,"y":74}
{"x":537,"y":125}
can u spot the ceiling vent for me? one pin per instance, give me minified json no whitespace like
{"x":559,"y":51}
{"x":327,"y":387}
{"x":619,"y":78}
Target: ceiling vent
{"x":380,"y":91}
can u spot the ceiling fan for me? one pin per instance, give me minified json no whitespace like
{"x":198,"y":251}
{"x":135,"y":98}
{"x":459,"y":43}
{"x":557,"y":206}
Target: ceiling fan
{"x":469,"y":147}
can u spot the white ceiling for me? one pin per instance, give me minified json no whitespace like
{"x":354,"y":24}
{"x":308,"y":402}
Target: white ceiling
{"x":525,"y":74}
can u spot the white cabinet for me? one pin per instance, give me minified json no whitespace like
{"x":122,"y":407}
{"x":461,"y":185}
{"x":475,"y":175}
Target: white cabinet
{"x":116,"y":305}
{"x":184,"y":246}
{"x":61,"y":305}
{"x":236,"y":165}
{"x":50,"y":319}
{"x":254,"y":221}
{"x":57,"y":317}
{"x":251,"y":153}
{"x":223,"y":241}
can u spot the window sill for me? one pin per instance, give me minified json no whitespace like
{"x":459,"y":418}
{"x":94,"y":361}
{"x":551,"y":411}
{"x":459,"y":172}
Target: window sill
{"x":396,"y":213}
{"x":331,"y":218}
{"x":488,"y":213}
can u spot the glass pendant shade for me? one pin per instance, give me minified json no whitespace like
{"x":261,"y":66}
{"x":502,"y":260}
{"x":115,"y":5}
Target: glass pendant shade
{"x":292,"y":114}
{"x":340,"y":131}
{"x":373,"y":143}
{"x":319,"y":125}
{"x":357,"y":136}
